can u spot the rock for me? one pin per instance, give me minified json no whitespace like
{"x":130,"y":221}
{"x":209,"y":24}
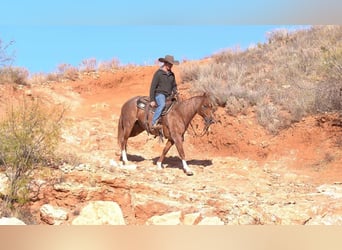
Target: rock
{"x":191,"y":219}
{"x":83,"y":167}
{"x":246,"y":219}
{"x":69,"y":187}
{"x":291,"y":214}
{"x":335,"y":191}
{"x":4,"y":183}
{"x":173,"y":218}
{"x":11,"y":221}
{"x":211,"y":221}
{"x":330,"y":219}
{"x":28,"y":92}
{"x":52,"y":215}
{"x":148,"y":209}
{"x":100,"y":213}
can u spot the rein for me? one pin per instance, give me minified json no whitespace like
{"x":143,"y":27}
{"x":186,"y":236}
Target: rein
{"x":204,"y":131}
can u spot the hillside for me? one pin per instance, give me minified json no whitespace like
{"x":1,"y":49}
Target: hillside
{"x":243,"y":173}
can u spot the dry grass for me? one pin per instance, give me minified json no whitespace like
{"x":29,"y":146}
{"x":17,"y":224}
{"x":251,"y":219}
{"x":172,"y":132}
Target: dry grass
{"x":110,"y":65}
{"x":292,"y":75}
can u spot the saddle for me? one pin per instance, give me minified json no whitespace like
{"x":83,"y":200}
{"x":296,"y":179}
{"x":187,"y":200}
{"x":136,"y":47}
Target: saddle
{"x":143,"y":103}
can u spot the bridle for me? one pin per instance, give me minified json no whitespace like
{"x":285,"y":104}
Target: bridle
{"x":208,"y":121}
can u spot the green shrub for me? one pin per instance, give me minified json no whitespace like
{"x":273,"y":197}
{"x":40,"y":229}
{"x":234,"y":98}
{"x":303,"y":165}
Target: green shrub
{"x":29,"y":133}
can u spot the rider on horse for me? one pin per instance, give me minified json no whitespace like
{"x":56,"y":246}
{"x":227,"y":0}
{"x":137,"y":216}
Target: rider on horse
{"x":163,"y":85}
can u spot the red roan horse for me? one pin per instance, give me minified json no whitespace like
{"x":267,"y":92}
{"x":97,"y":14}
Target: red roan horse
{"x":134,"y":120}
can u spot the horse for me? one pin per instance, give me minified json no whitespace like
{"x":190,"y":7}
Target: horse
{"x":134,"y":121}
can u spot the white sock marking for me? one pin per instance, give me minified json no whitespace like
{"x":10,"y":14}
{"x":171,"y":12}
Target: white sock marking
{"x":159,"y":165}
{"x":124,"y":156}
{"x":185,"y":166}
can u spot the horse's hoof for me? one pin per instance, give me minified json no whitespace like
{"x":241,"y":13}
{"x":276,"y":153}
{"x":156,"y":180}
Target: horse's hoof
{"x":160,"y":166}
{"x":189,"y":173}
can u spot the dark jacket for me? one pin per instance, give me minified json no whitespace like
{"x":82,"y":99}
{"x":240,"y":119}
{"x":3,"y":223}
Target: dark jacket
{"x":163,"y":82}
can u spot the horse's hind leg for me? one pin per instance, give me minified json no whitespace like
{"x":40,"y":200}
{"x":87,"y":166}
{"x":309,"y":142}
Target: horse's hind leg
{"x":123,"y":136}
{"x":123,"y":147}
{"x":166,"y":149}
{"x":130,"y":131}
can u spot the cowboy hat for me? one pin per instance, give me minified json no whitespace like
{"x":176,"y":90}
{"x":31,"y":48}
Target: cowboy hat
{"x":168,"y":59}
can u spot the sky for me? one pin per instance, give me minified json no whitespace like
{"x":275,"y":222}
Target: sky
{"x":46,"y":34}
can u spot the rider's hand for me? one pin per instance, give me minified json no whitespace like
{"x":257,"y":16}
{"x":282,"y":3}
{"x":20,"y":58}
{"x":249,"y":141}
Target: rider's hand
{"x":153,"y":104}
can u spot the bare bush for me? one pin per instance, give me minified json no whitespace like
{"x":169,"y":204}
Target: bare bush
{"x":272,"y":117}
{"x":13,"y":75}
{"x":88,"y":65}
{"x":332,"y":62}
{"x":279,"y":36}
{"x":110,"y":65}
{"x":328,"y":97}
{"x":227,"y":55}
{"x":235,"y":105}
{"x":67,"y":71}
{"x":5,"y":59}
{"x":189,"y":71}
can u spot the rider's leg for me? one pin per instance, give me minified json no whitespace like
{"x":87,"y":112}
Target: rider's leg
{"x":160,"y":100}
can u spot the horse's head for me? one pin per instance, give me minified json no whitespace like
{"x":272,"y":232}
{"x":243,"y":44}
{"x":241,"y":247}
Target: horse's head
{"x":206,"y":110}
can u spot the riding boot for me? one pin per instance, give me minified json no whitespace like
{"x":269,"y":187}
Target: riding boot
{"x":157,"y":125}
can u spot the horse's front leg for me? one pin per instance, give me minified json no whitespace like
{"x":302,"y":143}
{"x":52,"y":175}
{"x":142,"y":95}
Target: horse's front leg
{"x":179,"y":145}
{"x":124,"y":157}
{"x":166,"y":149}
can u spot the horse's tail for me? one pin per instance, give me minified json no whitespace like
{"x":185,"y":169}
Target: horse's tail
{"x":147,"y":112}
{"x":120,"y":132}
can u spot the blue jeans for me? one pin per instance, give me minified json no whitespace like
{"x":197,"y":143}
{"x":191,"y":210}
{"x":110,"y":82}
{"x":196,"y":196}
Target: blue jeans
{"x":160,"y":100}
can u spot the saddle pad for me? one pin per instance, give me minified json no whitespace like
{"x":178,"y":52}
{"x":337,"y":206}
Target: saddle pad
{"x":142,"y":102}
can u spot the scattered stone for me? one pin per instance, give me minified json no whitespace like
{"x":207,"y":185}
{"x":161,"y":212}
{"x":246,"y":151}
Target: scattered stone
{"x":68,"y":186}
{"x":191,"y":219}
{"x":4,"y":182}
{"x":66,"y":168}
{"x":329,"y":219}
{"x":83,"y":167}
{"x":11,"y":221}
{"x":53,"y":215}
{"x":334,"y":191}
{"x":173,"y":218}
{"x":214,"y":221}
{"x":100,"y":213}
